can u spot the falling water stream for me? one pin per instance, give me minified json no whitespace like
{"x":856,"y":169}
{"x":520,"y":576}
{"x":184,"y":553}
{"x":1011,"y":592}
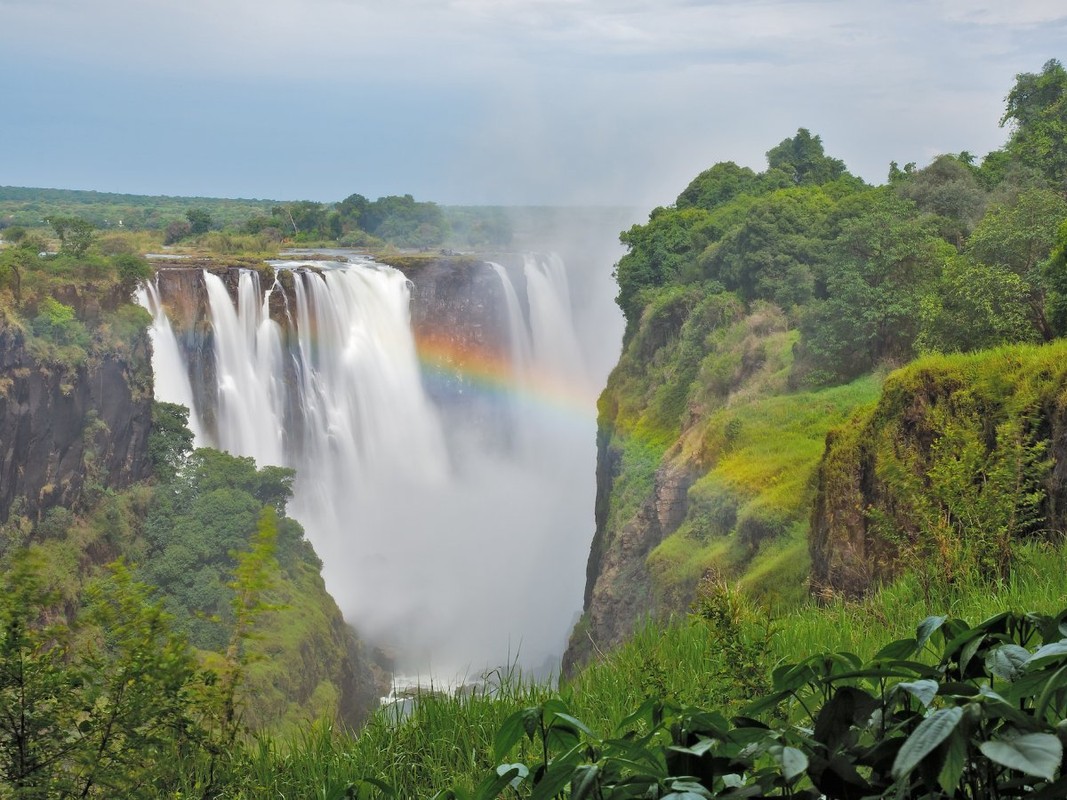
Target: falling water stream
{"x":455,"y":552}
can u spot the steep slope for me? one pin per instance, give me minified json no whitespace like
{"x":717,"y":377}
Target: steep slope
{"x":706,"y":468}
{"x":960,"y":456}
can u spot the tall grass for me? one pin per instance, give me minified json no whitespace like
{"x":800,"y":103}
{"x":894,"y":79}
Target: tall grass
{"x":713,"y":659}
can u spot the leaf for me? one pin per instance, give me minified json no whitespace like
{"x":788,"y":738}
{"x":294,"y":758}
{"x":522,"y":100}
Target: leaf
{"x":955,"y":762}
{"x":577,"y":723}
{"x":926,"y":630}
{"x":849,"y":705}
{"x":901,"y":648}
{"x":1007,"y":662}
{"x":520,"y":771}
{"x":493,"y":785}
{"x":698,"y":749}
{"x":553,"y":781}
{"x":968,"y":653}
{"x":1047,"y":653}
{"x":585,"y":780}
{"x":793,"y":762}
{"x":1036,"y":754}
{"x":925,"y":690}
{"x":510,"y":732}
{"x":687,"y":790}
{"x":931,"y":732}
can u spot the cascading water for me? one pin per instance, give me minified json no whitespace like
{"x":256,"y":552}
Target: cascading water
{"x":168,"y":365}
{"x":456,"y":554}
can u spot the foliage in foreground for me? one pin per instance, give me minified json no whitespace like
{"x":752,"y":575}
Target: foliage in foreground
{"x":986,"y":719}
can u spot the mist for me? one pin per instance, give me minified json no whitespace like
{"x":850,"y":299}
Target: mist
{"x":453,"y":515}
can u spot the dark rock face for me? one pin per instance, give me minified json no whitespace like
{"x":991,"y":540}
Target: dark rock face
{"x":619,"y":585}
{"x":62,"y":433}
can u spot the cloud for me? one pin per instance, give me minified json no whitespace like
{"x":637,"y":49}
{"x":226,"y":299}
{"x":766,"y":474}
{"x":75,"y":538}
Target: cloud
{"x":514,"y":100}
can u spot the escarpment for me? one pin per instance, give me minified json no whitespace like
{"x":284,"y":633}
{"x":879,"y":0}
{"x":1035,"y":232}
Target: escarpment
{"x":67,"y":432}
{"x":960,"y":458}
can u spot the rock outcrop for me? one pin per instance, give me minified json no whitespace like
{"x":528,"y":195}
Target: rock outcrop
{"x":65,"y":431}
{"x":961,"y":456}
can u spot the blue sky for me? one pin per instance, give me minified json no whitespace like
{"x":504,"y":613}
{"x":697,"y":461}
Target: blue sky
{"x":494,"y":101}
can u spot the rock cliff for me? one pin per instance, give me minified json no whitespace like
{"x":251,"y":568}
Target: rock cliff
{"x":960,"y":457}
{"x":67,"y":431}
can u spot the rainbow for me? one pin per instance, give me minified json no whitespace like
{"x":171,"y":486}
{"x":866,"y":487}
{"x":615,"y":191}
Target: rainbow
{"x":492,"y":373}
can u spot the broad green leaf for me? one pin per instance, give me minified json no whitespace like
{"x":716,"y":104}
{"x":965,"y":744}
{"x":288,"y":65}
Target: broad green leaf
{"x":552,"y":782}
{"x":968,"y":652}
{"x":1047,"y":654}
{"x":493,"y":785}
{"x":698,"y":749}
{"x":1007,"y":662}
{"x":793,"y":762}
{"x":931,"y":732}
{"x":926,"y":630}
{"x":901,"y":648}
{"x":1036,"y":754}
{"x":510,"y":732}
{"x":924,"y":690}
{"x":955,"y":762}
{"x":687,"y":790}
{"x":1054,"y":685}
{"x":576,"y":723}
{"x":584,"y":782}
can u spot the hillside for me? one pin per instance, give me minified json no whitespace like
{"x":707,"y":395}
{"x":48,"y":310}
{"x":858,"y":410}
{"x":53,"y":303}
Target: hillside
{"x":764,"y":309}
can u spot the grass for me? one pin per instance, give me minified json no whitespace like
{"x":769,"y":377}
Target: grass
{"x":748,"y":514}
{"x":448,"y":741}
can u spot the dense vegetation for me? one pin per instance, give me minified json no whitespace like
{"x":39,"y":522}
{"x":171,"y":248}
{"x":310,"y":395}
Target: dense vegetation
{"x":763,"y":308}
{"x":765,"y":312}
{"x":260,"y":226}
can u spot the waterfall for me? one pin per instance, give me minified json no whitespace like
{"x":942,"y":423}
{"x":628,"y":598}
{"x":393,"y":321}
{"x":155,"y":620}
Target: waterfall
{"x":168,"y":365}
{"x":455,"y":553}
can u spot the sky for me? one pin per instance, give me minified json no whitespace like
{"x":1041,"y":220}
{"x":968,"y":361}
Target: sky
{"x":515,"y":102}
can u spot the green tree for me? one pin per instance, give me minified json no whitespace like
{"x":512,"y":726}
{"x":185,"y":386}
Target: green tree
{"x":131,"y":269}
{"x":39,"y":697}
{"x":199,"y":220}
{"x":949,"y":189}
{"x":779,"y":248}
{"x":75,"y":234}
{"x":1019,"y":236}
{"x":1037,"y":112}
{"x":170,"y":441}
{"x":718,"y":185}
{"x":802,"y":162}
{"x":658,"y":253}
{"x":883,"y":261}
{"x":974,"y":306}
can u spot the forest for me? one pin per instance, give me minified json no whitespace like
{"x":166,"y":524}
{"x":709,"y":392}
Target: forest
{"x":856,"y":394}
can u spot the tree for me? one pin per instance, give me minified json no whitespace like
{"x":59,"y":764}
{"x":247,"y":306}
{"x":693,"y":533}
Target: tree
{"x":1037,"y":112}
{"x":1019,"y":237}
{"x":882,"y":262}
{"x":170,"y":441}
{"x":778,"y":249}
{"x":75,"y":234}
{"x":718,"y":185}
{"x":176,"y":231}
{"x":199,"y":221}
{"x":802,"y":160}
{"x":949,"y":189}
{"x":131,"y":269}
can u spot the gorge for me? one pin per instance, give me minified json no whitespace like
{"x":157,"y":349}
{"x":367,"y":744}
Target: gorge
{"x":444,"y":454}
